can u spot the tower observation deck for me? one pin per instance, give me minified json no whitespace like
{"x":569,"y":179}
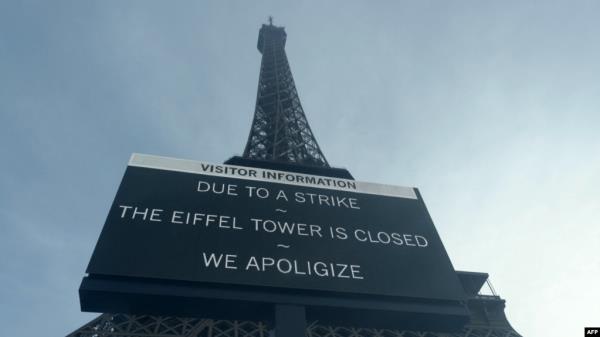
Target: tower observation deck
{"x":280,"y":138}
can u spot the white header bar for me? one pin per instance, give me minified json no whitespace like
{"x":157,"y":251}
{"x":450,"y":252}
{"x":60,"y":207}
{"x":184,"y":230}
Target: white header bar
{"x":272,"y":176}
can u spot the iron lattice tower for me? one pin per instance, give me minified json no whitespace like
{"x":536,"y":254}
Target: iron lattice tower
{"x":279,"y":131}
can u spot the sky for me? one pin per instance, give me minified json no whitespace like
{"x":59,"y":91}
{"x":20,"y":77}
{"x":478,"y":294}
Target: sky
{"x":490,"y":108}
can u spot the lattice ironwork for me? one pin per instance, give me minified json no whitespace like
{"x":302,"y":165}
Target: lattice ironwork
{"x":280,"y":131}
{"x":317,"y":330}
{"x":119,"y":325}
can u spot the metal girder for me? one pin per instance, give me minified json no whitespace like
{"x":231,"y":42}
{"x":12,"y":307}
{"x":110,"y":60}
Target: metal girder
{"x":120,"y":325}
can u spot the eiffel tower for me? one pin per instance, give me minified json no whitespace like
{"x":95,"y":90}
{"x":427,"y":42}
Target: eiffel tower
{"x":280,"y":137}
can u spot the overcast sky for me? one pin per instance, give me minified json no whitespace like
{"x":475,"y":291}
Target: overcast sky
{"x":492,"y":109}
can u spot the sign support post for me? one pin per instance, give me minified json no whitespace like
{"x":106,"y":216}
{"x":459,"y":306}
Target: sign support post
{"x":290,"y":320}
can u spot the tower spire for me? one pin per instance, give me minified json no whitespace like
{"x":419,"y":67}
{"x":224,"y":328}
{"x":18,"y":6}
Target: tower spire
{"x":280,"y":130}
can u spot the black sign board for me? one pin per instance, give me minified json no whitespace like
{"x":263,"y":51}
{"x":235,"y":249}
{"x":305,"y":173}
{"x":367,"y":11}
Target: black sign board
{"x":191,"y":221}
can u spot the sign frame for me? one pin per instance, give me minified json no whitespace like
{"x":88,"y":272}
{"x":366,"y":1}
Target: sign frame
{"x":125,"y":293}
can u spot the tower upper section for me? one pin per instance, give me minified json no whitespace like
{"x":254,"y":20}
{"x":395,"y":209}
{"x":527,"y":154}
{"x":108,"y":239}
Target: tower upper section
{"x":279,"y":131}
{"x":271,"y":34}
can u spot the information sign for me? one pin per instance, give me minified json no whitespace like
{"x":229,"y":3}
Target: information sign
{"x":185,"y":220}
